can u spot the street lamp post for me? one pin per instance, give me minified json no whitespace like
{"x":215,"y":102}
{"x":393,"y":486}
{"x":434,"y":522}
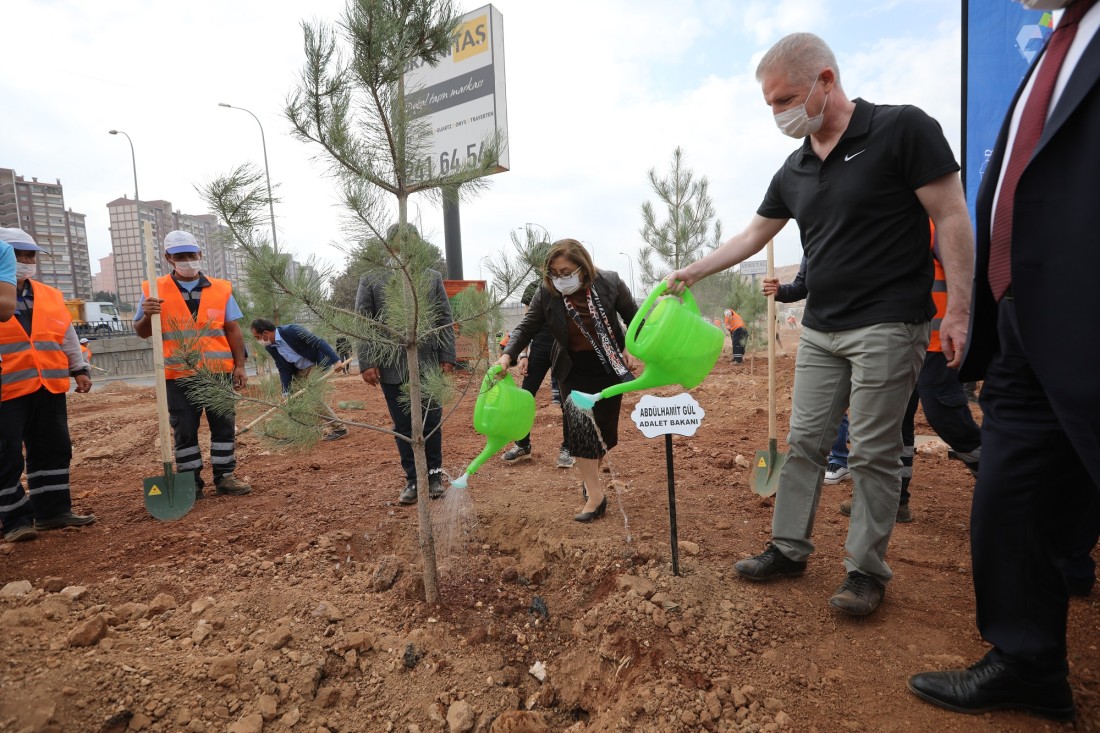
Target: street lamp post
{"x":267,"y":172}
{"x":137,"y":196}
{"x":630,"y":264}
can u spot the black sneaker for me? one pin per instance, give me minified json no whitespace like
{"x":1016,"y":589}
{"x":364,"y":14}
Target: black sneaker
{"x":518,"y":453}
{"x":859,"y":594}
{"x":65,"y":519}
{"x":408,"y":496}
{"x":435,"y":486}
{"x":336,"y":434}
{"x":771,"y":563}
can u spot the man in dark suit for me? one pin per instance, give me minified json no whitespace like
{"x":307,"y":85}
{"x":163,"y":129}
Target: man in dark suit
{"x":382,"y":363}
{"x":296,"y":351}
{"x":1037,"y":219}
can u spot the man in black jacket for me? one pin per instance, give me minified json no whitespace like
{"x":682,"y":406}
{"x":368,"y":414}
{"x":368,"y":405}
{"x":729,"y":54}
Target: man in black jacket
{"x":296,"y":351}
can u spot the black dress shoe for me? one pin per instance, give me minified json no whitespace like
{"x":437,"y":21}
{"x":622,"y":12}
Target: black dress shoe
{"x":594,"y":514}
{"x":991,"y":685}
{"x":771,"y":563}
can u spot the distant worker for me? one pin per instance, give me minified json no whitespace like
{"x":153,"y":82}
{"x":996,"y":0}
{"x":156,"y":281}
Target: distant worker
{"x":41,"y":353}
{"x":296,"y":351}
{"x":343,"y":347}
{"x":193,"y":305}
{"x":86,"y":351}
{"x":738,"y":334}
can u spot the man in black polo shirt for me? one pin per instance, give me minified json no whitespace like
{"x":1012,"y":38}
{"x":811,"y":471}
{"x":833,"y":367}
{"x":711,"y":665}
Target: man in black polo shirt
{"x":861,"y":188}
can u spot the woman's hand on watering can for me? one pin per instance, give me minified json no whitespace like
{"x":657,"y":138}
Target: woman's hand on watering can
{"x":631,"y":363}
{"x":504,"y":362}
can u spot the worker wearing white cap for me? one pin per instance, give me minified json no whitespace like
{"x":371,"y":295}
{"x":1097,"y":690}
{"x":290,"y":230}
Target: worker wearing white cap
{"x":86,"y":351}
{"x":41,"y":355}
{"x":197,"y":313}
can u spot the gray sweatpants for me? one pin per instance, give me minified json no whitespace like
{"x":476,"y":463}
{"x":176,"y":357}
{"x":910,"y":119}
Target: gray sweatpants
{"x":871,"y":372}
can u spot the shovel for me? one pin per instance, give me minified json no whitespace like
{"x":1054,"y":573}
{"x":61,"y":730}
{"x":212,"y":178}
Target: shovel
{"x":765,"y":472}
{"x":170,"y":495}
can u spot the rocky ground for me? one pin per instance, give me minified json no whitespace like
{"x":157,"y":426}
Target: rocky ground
{"x":299,"y":607}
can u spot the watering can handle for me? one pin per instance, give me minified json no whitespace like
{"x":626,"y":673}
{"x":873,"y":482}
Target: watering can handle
{"x":487,"y":382}
{"x":643,"y":311}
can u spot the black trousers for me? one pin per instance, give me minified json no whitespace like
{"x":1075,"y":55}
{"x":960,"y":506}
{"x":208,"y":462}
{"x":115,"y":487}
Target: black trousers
{"x":943,"y":398}
{"x":538,"y":365}
{"x":402,"y":424}
{"x":1030,"y":502}
{"x":40,"y":423}
{"x":184,"y":417}
{"x":738,"y":337}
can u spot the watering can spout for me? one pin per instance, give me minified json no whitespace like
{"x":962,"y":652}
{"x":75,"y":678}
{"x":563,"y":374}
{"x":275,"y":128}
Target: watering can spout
{"x":650,"y":378}
{"x":493,"y":444}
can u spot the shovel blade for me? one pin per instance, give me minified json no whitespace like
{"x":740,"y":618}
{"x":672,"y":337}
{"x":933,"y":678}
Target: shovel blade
{"x":765,"y":471}
{"x":170,"y":496}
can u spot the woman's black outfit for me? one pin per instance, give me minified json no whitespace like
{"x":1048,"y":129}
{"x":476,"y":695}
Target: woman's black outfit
{"x":582,"y":369}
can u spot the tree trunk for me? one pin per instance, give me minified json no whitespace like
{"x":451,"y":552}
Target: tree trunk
{"x":416,"y":410}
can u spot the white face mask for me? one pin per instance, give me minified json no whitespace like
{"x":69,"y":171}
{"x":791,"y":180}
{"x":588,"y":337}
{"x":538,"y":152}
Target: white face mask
{"x":187,"y":270}
{"x":25,"y":270}
{"x":567,"y":285}
{"x":796,"y":123}
{"x":1045,"y":4}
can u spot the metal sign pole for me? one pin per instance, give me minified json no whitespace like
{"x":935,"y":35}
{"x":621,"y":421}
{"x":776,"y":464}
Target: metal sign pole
{"x":672,"y":505}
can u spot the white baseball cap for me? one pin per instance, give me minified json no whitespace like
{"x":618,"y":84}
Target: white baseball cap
{"x":177,"y":242}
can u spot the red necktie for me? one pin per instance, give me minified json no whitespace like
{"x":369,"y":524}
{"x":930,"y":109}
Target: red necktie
{"x":1028,"y":132}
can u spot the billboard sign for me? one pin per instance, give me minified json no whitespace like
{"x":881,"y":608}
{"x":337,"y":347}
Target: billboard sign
{"x":463,"y":96}
{"x":754,"y":267}
{"x":1002,"y":40}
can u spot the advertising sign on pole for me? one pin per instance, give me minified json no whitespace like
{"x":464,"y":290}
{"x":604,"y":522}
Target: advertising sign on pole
{"x":463,"y":96}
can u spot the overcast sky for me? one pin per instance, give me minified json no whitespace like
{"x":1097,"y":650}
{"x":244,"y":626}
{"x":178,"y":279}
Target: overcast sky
{"x":598,"y":92}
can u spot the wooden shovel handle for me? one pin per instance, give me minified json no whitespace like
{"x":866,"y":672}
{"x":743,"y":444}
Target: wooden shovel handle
{"x":158,"y":346}
{"x":771,"y":347}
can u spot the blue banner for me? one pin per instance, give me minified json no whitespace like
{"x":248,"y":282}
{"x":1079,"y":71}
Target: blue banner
{"x":1002,"y":39}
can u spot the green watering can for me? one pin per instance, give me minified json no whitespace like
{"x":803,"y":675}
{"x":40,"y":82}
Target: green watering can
{"x":503,"y":413}
{"x":677,"y":345}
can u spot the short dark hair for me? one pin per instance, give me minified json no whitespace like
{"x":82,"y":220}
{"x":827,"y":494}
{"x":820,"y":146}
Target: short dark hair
{"x":262,"y":325}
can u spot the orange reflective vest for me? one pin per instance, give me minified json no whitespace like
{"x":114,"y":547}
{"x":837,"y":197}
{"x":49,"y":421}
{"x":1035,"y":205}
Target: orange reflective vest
{"x":184,"y":335}
{"x":939,"y":294}
{"x":734,"y":322}
{"x":37,"y":360}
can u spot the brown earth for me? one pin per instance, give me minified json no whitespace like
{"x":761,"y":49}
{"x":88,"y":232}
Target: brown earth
{"x":298,"y":607}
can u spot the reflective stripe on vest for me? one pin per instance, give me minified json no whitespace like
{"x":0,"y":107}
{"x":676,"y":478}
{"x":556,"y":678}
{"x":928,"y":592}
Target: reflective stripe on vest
{"x":36,"y":360}
{"x":939,"y":297}
{"x":205,"y":332}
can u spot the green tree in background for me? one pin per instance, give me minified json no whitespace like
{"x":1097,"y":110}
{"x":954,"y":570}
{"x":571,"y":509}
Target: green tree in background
{"x":689,"y":228}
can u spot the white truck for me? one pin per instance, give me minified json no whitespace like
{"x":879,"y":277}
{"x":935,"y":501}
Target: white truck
{"x":94,"y":318}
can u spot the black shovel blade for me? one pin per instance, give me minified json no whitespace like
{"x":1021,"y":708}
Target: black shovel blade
{"x":170,"y":496}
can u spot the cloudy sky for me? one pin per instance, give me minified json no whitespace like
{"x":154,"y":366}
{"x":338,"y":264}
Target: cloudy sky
{"x":598,"y":92}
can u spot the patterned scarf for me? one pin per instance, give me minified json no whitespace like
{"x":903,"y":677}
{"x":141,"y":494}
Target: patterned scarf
{"x":603,"y":343}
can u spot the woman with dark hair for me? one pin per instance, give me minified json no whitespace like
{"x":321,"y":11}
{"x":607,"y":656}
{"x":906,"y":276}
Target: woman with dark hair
{"x":581,"y":307}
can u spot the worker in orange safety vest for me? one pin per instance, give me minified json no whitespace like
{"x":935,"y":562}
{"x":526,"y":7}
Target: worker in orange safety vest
{"x":197,"y":313}
{"x":41,"y":356}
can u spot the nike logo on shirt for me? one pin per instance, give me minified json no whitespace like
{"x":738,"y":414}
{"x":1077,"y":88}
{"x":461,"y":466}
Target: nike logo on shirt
{"x":849,"y":157}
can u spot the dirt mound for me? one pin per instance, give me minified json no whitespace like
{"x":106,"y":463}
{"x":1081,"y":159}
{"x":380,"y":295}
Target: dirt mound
{"x":298,"y":607}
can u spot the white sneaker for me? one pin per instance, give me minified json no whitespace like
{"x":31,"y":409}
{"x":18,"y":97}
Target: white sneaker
{"x":836,"y":473}
{"x":564,"y":459}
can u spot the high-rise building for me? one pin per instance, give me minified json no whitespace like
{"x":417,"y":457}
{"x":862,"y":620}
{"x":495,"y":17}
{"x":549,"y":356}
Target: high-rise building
{"x":104,"y":280}
{"x":38,"y":208}
{"x":220,"y":258}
